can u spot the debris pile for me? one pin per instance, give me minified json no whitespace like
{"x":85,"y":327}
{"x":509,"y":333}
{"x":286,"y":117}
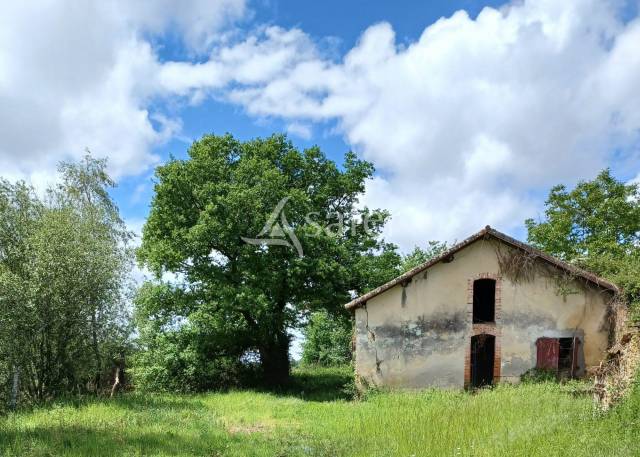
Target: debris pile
{"x":615,"y":375}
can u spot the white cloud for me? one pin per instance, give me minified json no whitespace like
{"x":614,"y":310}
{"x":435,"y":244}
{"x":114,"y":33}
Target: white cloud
{"x":467,"y":122}
{"x":300,"y":129}
{"x":76,"y":75}
{"x":265,"y":56}
{"x":465,"y":125}
{"x":198,"y":22}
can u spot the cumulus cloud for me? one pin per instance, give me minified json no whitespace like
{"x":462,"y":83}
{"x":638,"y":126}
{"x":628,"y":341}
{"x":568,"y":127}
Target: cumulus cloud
{"x":467,"y":125}
{"x":469,"y":122}
{"x":198,"y":22}
{"x":75,"y":75}
{"x":300,"y":129}
{"x":264,"y":57}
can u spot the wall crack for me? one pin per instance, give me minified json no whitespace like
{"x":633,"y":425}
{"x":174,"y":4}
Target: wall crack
{"x":372,"y":338}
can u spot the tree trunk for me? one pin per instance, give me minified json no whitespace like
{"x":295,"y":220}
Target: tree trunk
{"x":116,"y":383}
{"x":274,"y":358}
{"x":120,"y":376}
{"x":96,"y":351}
{"x":15,"y":387}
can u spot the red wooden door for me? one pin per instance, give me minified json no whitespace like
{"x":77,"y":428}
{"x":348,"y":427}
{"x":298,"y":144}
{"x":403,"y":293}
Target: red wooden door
{"x":548,"y":352}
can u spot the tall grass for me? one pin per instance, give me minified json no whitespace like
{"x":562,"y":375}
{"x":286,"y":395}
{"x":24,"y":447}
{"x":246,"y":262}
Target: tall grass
{"x":313,"y":419}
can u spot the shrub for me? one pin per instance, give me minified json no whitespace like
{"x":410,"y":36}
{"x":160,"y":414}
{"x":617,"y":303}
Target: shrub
{"x":538,"y":375}
{"x":327,"y":340}
{"x":174,"y":365}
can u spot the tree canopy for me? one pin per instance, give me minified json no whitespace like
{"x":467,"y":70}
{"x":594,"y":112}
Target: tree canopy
{"x":418,"y":255}
{"x":226,"y":192}
{"x":64,"y":266}
{"x":596,"y":226}
{"x":327,"y":339}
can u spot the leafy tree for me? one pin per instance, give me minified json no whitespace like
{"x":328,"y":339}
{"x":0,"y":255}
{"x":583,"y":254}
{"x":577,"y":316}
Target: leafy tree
{"x":19,"y":211}
{"x":596,"y":226}
{"x":184,"y":355}
{"x":84,"y":191}
{"x":226,"y":190}
{"x":419,"y":256}
{"x":327,"y":340}
{"x":63,"y":275}
{"x":375,"y":268}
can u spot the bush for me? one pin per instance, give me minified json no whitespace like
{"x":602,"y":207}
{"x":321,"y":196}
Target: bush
{"x":538,"y":375}
{"x":174,"y":364}
{"x":322,"y":383}
{"x":327,"y":340}
{"x":194,"y":352}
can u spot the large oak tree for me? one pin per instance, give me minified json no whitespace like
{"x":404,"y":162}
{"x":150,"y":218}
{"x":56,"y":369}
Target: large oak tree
{"x":227,"y":190}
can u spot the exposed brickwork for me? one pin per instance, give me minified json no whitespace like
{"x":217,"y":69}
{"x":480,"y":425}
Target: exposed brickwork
{"x":489,"y":328}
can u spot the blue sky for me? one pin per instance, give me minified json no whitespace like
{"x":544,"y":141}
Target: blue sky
{"x":469,"y":110}
{"x":319,"y":19}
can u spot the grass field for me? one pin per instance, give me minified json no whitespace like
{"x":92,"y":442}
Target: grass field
{"x":312,"y":420}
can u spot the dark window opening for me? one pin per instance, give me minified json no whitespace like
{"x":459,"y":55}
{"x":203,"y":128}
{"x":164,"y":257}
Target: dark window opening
{"x":482,"y":360}
{"x":565,"y":358}
{"x":484,"y":300}
{"x":559,"y":355}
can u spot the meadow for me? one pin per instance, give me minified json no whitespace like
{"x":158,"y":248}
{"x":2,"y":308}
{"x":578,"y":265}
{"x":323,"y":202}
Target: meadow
{"x":316,"y":418}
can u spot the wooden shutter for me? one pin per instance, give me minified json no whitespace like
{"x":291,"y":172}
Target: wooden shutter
{"x":548,"y":352}
{"x":574,"y":357}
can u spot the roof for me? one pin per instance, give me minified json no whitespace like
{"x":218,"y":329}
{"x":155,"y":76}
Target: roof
{"x":485,"y":233}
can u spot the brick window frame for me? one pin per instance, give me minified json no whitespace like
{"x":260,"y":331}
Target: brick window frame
{"x":489,"y":328}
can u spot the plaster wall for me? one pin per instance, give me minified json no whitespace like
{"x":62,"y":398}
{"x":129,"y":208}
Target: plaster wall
{"x":419,"y":334}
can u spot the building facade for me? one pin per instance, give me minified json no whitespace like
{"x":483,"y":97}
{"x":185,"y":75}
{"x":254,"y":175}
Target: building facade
{"x":487,"y":310}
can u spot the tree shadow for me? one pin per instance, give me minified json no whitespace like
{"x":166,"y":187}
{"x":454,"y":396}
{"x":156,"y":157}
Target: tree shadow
{"x":72,"y":441}
{"x":158,"y":401}
{"x":318,"y":384}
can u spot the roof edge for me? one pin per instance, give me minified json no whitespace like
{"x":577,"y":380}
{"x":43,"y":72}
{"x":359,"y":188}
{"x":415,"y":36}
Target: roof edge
{"x":484,"y":233}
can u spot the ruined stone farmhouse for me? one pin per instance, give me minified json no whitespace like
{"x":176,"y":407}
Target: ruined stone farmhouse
{"x":487,"y":310}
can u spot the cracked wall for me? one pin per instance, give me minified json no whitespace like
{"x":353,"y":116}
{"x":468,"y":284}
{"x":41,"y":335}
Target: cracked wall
{"x":417,"y":335}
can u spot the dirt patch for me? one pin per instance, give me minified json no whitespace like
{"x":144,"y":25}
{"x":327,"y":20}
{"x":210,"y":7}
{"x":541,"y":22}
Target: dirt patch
{"x":248,"y":429}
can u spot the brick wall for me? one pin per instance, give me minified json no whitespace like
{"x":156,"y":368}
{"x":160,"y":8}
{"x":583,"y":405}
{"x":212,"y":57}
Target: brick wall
{"x":486,"y":328}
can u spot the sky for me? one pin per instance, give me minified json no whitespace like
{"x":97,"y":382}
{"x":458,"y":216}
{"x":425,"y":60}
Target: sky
{"x":469,"y":110}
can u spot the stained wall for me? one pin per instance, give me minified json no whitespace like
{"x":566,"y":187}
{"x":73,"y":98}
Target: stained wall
{"x":418,"y":334}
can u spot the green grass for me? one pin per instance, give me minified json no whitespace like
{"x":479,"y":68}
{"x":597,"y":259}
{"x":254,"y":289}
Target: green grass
{"x":314,"y":419}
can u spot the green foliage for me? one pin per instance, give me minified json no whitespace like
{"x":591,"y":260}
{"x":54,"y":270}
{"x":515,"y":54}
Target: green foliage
{"x":63,"y":276}
{"x":184,"y":355}
{"x":327,"y":340}
{"x":252,"y":295}
{"x":386,"y":264}
{"x":310,"y":420}
{"x":419,"y":256}
{"x":627,"y":412}
{"x":538,"y":375}
{"x":595,"y":226}
{"x":317,"y":383}
{"x":376,"y":268}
